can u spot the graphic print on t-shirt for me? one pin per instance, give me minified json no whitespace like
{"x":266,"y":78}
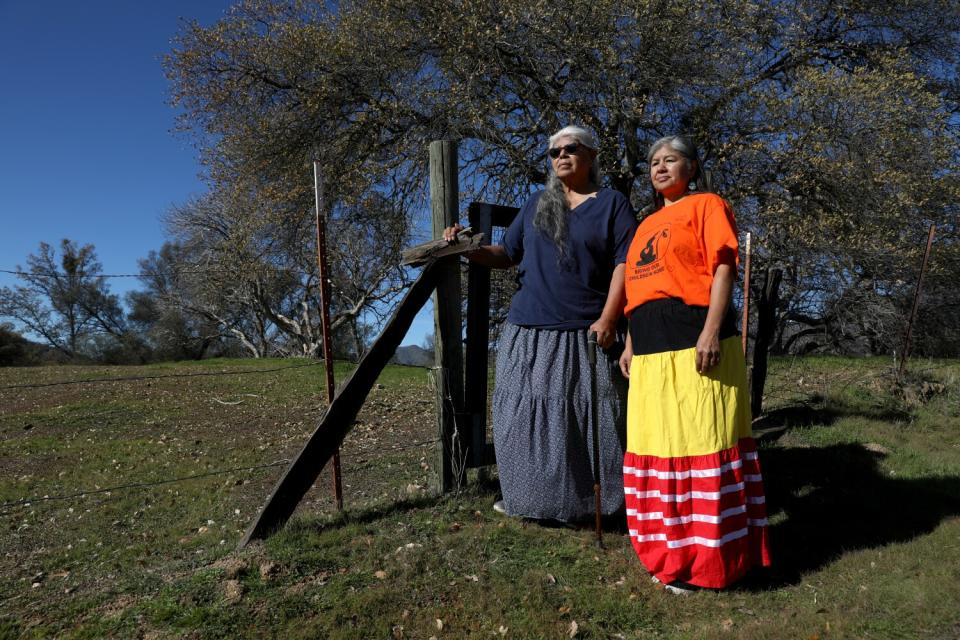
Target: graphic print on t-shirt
{"x":654,"y":248}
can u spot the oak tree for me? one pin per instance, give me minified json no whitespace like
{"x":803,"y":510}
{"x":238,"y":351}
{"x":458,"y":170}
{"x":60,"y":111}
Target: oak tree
{"x":831,"y":126}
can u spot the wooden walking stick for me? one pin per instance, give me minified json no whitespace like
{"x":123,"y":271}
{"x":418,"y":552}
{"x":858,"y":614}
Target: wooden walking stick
{"x":594,"y":420}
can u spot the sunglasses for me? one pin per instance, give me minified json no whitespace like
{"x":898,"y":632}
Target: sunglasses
{"x":571,"y":149}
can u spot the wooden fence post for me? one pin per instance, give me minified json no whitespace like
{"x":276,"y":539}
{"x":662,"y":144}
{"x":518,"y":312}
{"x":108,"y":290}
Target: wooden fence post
{"x":448,"y":350}
{"x":766,"y":327}
{"x":478,"y":342}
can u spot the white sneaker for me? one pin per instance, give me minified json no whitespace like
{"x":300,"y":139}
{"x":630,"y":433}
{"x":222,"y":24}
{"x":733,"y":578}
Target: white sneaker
{"x":499,"y":507}
{"x":679,"y":588}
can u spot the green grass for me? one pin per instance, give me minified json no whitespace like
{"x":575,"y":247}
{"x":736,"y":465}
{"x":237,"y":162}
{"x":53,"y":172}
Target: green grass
{"x":862,"y":477}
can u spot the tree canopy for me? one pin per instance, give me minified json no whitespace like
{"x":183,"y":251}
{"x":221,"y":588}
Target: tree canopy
{"x":831,"y":126}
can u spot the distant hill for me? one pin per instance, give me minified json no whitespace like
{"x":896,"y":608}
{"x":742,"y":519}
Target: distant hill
{"x":413,"y":356}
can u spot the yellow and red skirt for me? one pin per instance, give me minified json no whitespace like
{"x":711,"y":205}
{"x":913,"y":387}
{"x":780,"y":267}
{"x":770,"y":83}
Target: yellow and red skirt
{"x":693,"y":489}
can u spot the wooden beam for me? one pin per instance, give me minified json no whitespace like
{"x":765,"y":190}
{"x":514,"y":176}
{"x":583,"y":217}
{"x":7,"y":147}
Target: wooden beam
{"x":501,"y":215}
{"x":422,"y":253}
{"x":340,"y":415}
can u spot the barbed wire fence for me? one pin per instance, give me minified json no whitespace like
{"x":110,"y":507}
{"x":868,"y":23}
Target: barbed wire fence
{"x":174,"y":271}
{"x":800,"y":388}
{"x":356,"y":454}
{"x":788,"y":384}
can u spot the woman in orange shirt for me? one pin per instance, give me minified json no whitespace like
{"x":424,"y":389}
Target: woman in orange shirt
{"x":694,"y":494}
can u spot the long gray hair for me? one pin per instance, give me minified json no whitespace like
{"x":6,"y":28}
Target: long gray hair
{"x":551,"y":218}
{"x":687,"y":148}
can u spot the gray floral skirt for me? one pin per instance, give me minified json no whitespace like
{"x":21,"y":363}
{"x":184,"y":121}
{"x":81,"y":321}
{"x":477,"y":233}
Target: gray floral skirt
{"x":541,"y":424}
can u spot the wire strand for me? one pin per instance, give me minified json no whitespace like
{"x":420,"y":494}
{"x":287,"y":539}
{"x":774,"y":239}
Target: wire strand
{"x":39,"y":385}
{"x":146,"y":485}
{"x":137,"y":485}
{"x":147,"y":274}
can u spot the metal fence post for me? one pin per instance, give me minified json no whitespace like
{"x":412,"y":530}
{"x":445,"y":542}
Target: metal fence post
{"x":325,"y":318}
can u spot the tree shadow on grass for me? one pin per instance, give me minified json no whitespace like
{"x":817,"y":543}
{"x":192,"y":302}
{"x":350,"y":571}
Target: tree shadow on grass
{"x":816,"y":411}
{"x":836,"y":499}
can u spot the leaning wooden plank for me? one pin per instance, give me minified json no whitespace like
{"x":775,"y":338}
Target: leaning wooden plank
{"x":420,"y":254}
{"x":339,"y":417}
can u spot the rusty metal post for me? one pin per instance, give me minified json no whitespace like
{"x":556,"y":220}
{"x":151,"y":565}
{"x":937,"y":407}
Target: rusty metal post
{"x":916,"y":303}
{"x":745,"y":323}
{"x":325,"y":317}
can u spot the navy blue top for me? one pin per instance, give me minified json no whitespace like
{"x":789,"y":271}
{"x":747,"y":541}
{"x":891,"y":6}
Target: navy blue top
{"x":568,"y":295}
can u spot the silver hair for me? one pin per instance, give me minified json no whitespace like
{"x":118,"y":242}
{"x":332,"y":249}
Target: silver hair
{"x":551,"y":218}
{"x":585,"y":138}
{"x":687,"y":148}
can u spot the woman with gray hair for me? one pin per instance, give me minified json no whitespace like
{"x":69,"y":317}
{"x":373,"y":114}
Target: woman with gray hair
{"x":694,"y":493}
{"x":569,"y":242}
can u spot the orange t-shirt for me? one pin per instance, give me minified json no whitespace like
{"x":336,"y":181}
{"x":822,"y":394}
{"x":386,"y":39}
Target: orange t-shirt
{"x":677,"y":249}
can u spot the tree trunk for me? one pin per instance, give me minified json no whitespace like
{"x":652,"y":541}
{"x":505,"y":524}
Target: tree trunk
{"x":357,"y":339}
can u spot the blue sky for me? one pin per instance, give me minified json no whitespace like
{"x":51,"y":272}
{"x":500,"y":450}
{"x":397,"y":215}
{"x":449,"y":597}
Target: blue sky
{"x":87,"y":148}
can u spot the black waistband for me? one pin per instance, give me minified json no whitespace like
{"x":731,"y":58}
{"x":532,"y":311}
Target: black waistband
{"x":670,"y":324}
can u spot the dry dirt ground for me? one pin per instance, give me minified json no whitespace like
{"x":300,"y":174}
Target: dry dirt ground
{"x":147,"y":469}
